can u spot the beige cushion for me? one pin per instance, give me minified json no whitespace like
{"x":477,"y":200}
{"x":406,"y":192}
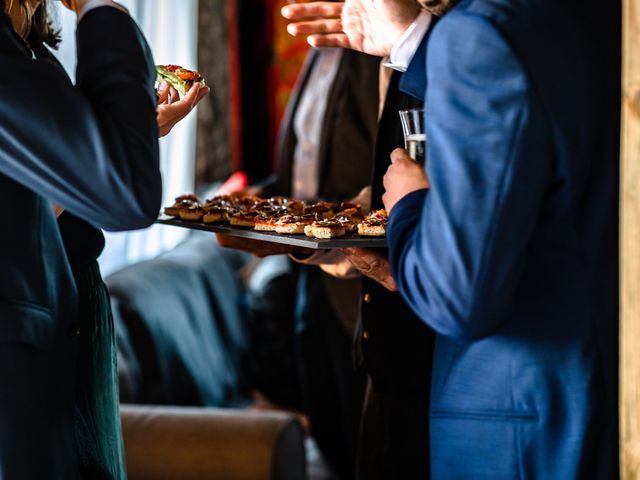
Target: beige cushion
{"x":205,"y":443}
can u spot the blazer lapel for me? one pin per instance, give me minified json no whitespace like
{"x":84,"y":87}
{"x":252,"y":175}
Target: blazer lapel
{"x":389,"y":135}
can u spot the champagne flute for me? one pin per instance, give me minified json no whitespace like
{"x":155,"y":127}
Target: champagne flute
{"x":415,"y":138}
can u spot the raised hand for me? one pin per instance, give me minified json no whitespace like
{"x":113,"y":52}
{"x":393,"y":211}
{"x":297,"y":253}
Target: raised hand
{"x":370,"y":26}
{"x":172,"y":109}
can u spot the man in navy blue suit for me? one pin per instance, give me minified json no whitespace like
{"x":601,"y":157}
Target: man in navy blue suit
{"x":506,"y":244}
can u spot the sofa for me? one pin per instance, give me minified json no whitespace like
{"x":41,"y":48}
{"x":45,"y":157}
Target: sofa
{"x":210,"y":443}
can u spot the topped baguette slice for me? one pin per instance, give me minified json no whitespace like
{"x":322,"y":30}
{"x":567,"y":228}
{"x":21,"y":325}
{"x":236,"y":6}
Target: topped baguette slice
{"x":326,"y":229}
{"x":321,"y":210}
{"x":179,"y":78}
{"x":192,"y":214}
{"x":243,"y":219}
{"x":374,"y":224}
{"x":214,"y":214}
{"x":181,"y":202}
{"x":293,"y":224}
{"x":266,"y":223}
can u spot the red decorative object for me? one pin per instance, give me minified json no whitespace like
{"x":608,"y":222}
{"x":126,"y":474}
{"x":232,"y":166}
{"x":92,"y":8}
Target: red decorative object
{"x":235,"y":81}
{"x":235,"y":183}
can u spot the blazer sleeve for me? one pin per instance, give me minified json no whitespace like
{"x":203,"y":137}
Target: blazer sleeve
{"x":457,"y":250}
{"x":92,"y":148}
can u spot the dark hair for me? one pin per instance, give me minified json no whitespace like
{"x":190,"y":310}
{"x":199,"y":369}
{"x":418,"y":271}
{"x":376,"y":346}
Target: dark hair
{"x":42,"y":29}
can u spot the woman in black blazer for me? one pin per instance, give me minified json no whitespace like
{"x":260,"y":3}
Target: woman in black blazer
{"x":58,"y":375}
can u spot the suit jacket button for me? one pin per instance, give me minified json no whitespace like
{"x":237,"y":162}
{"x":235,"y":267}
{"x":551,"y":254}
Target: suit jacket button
{"x":365,"y":335}
{"x":367,"y":298}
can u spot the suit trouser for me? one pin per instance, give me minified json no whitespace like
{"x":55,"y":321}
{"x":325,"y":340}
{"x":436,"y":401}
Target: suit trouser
{"x":394,"y":436}
{"x":333,"y":393}
{"x":36,"y":412}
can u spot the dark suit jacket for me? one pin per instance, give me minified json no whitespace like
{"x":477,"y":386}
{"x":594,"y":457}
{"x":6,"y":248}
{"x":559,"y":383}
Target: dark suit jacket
{"x":93,"y":150}
{"x":394,"y":346}
{"x":511,"y":256}
{"x":325,"y":309}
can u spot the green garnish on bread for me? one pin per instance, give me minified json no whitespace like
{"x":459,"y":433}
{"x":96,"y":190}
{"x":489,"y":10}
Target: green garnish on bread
{"x":179,"y":78}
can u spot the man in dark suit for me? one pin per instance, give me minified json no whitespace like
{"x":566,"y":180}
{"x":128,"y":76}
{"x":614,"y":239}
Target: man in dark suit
{"x":345,"y":132}
{"x":395,"y":356}
{"x":324,"y":151}
{"x":93,"y":150}
{"x":507,"y":245}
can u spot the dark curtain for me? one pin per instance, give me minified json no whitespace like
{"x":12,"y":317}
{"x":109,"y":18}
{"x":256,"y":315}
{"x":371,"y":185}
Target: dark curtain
{"x":251,"y":63}
{"x":256,"y":52}
{"x":214,"y":138}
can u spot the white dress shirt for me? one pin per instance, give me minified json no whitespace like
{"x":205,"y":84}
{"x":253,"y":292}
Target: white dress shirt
{"x":405,"y":49}
{"x":309,"y":121}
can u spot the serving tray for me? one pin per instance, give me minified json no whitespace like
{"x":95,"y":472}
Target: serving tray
{"x":348,"y":241}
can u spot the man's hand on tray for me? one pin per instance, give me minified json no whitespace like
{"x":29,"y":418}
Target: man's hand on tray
{"x":260,"y":248}
{"x":372,"y":264}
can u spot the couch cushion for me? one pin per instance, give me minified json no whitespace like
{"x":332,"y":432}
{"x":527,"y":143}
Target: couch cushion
{"x":201,"y":443}
{"x":185,"y":324}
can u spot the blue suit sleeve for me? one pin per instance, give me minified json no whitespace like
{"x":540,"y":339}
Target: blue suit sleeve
{"x":92,"y":148}
{"x":458,"y":250}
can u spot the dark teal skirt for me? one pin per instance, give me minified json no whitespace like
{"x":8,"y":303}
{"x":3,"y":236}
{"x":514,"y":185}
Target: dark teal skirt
{"x":97,"y":419}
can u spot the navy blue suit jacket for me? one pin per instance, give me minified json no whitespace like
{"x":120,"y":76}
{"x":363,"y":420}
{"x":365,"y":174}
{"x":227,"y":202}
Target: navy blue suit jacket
{"x":511,"y":255}
{"x":93,"y":149}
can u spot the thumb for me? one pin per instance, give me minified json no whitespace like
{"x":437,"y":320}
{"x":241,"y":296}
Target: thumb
{"x":399,"y":154}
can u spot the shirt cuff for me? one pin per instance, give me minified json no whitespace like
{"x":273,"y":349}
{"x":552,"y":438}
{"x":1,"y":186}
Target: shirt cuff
{"x":92,"y":4}
{"x":403,"y":51}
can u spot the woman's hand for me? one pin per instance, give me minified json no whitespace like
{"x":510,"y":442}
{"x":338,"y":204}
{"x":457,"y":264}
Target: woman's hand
{"x":403,"y":176}
{"x":172,"y":109}
{"x":373,"y":265}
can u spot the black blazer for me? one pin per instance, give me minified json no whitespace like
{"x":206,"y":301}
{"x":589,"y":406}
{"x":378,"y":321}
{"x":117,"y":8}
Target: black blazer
{"x":91,"y":148}
{"x":392,"y":365}
{"x":392,"y":344}
{"x":348,"y":131}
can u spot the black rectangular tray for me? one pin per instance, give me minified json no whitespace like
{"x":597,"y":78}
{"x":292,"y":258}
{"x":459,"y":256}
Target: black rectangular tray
{"x":348,"y":241}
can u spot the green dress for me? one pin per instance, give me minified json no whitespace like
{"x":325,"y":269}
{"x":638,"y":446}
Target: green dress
{"x":97,"y":412}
